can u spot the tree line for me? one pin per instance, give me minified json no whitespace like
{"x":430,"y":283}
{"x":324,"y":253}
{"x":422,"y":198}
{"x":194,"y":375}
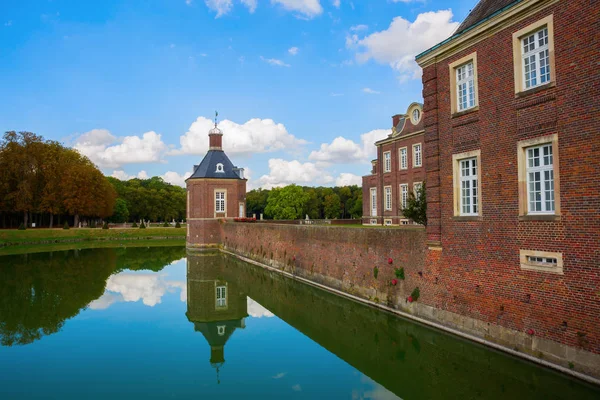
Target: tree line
{"x":295,"y":202}
{"x":42,"y":179}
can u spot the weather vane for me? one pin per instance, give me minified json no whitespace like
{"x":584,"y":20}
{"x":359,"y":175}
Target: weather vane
{"x":216,"y":115}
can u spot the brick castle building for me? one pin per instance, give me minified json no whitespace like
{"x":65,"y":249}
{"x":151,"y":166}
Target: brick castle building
{"x":398,"y":170}
{"x":216,"y":190}
{"x":512,"y":145}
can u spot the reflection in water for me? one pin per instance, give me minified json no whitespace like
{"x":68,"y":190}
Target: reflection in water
{"x":38,"y":292}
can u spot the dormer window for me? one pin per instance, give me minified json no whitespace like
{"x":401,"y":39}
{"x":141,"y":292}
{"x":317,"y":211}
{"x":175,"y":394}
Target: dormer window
{"x":416,"y":115}
{"x":220,"y":168}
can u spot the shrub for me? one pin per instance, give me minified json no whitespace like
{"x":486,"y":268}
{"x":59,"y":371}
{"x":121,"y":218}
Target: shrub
{"x":375,"y":272}
{"x":142,"y":225}
{"x":415,"y":294}
{"x":66,"y":226}
{"x":177,"y":225}
{"x":134,"y":225}
{"x":416,"y":207}
{"x":105,"y":226}
{"x":22,"y":227}
{"x":166,"y":225}
{"x":399,"y":272}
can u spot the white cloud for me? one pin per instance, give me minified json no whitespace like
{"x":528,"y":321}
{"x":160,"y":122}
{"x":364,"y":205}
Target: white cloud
{"x":347,"y":179}
{"x":132,"y":287}
{"x":254,"y":136}
{"x":370,"y":91}
{"x":250,"y":4}
{"x":306,"y":8}
{"x":124,"y":176}
{"x":175,"y":179}
{"x":403,"y":40}
{"x":256,"y":310}
{"x":274,"y":61}
{"x":105,"y":301}
{"x":358,"y":28}
{"x":282,"y":173}
{"x":342,"y":150}
{"x":221,"y":7}
{"x":336,"y":3}
{"x":100,"y":146}
{"x":188,"y":2}
{"x":293,"y":50}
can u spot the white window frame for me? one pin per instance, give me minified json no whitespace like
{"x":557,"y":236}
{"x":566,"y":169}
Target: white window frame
{"x":469,"y":186}
{"x":220,"y":168}
{"x":545,"y":179}
{"x":220,"y":201}
{"x":387,"y":161}
{"x":221,"y":330}
{"x":465,"y":86}
{"x":403,"y":157}
{"x":387,"y":222}
{"x":417,"y":156}
{"x":415,"y":116}
{"x":388,"y":198}
{"x":221,"y":296}
{"x":535,"y":55}
{"x":403,"y":195}
{"x":373,"y":199}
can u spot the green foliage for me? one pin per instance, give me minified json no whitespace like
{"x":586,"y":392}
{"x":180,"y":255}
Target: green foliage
{"x":286,"y":203}
{"x":399,"y":272}
{"x":256,"y":201}
{"x":375,"y":272}
{"x":332,"y":206}
{"x":121,"y":213}
{"x":22,"y":227}
{"x":105,"y":226}
{"x":177,"y":225}
{"x":66,"y":225}
{"x":415,"y":294}
{"x":416,"y":207}
{"x":142,"y":225}
{"x":166,"y":225}
{"x":134,"y":225}
{"x":92,"y":223}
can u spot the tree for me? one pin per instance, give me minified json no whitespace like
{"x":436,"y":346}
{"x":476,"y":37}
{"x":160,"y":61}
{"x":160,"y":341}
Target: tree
{"x":286,"y":203}
{"x":121,"y":213}
{"x":416,"y":206}
{"x":256,"y":201}
{"x":332,"y":206}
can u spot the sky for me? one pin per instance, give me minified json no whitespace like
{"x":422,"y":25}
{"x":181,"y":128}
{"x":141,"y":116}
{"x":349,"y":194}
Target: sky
{"x":303,"y":87}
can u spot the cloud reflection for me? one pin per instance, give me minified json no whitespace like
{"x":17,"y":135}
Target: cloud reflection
{"x":257,"y":311}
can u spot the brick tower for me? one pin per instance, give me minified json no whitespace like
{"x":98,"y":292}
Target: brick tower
{"x":216,"y":190}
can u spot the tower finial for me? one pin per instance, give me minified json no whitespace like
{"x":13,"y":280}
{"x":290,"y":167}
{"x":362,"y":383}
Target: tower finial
{"x":216,"y":115}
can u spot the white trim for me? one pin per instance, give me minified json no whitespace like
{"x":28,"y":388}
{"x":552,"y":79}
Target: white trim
{"x":373,"y":201}
{"x":403,"y":195}
{"x":387,"y":191}
{"x":544,"y":178}
{"x":469,"y":186}
{"x":403,"y":159}
{"x":420,"y":156}
{"x":387,"y":161}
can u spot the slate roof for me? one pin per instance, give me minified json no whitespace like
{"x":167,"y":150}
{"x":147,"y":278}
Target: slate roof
{"x":208,"y":167}
{"x":482,"y":10}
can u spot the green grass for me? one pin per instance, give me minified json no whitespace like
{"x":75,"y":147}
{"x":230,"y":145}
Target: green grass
{"x":41,"y":236}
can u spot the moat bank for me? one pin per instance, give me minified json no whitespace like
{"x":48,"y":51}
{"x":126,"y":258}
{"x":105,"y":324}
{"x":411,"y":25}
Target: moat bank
{"x":365,"y":262}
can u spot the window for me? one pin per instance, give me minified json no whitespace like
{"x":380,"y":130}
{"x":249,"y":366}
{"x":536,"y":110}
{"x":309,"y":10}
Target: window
{"x":416,"y":188}
{"x":220,"y":202}
{"x":403,"y":195}
{"x":540,"y":179}
{"x":403,"y":158}
{"x":219,"y":168}
{"x":388,"y":198}
{"x":221,"y":296}
{"x":387,"y":161}
{"x":541,"y":261}
{"x":468,"y":187}
{"x":373,"y":222}
{"x":373,"y":202}
{"x":221,"y":330}
{"x":533,"y":53}
{"x":417,"y":156}
{"x":463,"y":84}
{"x":416,"y":115}
{"x":466,"y":169}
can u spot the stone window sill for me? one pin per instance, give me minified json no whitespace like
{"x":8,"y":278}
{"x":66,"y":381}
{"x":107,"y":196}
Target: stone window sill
{"x":536,"y":89}
{"x":534,"y":217}
{"x":467,"y":218}
{"x":464,"y":112}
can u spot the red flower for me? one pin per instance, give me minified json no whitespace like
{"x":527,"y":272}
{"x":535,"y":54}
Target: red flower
{"x":390,"y":261}
{"x":530,"y":332}
{"x":410,"y":300}
{"x":394,"y":282}
{"x":293,"y":258}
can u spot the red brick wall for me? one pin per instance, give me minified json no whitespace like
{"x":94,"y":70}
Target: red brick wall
{"x":477,"y":273}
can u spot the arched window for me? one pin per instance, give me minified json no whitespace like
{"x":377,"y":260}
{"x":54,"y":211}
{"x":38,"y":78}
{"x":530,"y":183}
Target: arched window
{"x":220,"y":167}
{"x":416,"y":115}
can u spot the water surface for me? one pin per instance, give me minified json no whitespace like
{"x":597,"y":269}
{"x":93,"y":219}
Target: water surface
{"x":151,"y":323}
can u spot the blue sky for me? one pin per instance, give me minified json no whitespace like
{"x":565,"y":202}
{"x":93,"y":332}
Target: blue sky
{"x":303,"y":87}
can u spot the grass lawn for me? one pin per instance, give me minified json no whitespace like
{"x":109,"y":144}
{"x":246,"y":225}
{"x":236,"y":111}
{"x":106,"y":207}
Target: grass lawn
{"x":35,"y":236}
{"x":46,"y":247}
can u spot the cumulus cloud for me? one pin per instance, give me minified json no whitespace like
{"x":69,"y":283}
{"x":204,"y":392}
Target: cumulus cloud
{"x":256,"y":310}
{"x":336,"y":3}
{"x":360,"y":27}
{"x":107,"y":151}
{"x":370,"y":91}
{"x":124,"y":176}
{"x":347,"y":179}
{"x":254,"y":136}
{"x":105,"y":301}
{"x":221,"y":7}
{"x":346,"y":151}
{"x":275,"y":62}
{"x":250,"y":4}
{"x":403,"y":40}
{"x":282,"y":173}
{"x":175,"y":179}
{"x":305,"y":8}
{"x":293,"y":50}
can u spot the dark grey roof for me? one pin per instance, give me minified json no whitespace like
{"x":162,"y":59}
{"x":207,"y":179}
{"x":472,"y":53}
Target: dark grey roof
{"x":208,"y":167}
{"x":482,"y":10}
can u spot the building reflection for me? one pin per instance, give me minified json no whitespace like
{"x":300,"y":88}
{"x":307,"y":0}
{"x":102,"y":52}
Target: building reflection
{"x":215,"y":306}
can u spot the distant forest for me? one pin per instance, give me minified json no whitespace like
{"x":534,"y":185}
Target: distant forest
{"x":46,"y":183}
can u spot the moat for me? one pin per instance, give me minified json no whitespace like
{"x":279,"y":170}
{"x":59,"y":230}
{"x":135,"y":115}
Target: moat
{"x":153,"y":322}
